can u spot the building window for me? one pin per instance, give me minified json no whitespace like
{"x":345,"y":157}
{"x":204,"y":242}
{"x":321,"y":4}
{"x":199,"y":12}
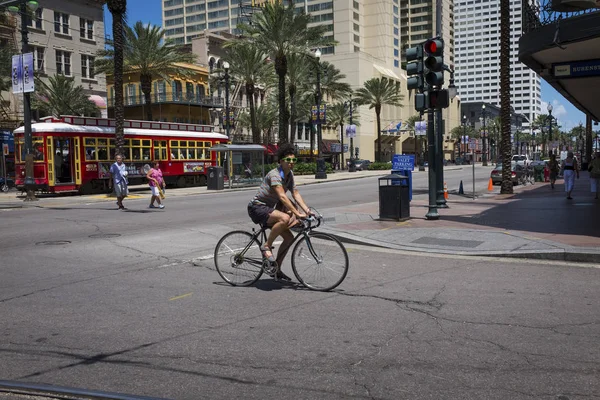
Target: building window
{"x":63,"y":62}
{"x":61,"y":23}
{"x":36,"y":20}
{"x":87,"y":66}
{"x":38,"y":58}
{"x":356,"y":39}
{"x":86,"y":28}
{"x":355,"y":4}
{"x":355,"y":15}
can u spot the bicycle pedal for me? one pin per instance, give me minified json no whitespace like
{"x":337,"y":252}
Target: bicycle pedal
{"x":270,"y":268}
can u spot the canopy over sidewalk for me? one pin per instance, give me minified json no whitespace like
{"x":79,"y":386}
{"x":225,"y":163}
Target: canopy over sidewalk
{"x":239,"y":162}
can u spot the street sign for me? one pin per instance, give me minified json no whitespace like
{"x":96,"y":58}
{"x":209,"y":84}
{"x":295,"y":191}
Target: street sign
{"x":22,"y":73}
{"x":403,"y":162}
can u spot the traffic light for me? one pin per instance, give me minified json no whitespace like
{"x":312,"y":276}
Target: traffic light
{"x":414,"y":68}
{"x":439,"y":99}
{"x":434,"y":62}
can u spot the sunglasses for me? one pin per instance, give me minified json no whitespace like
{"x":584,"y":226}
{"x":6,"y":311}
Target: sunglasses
{"x":290,"y":159}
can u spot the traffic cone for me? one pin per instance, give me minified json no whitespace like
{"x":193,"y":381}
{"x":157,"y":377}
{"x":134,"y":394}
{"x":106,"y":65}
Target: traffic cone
{"x":460,"y":188}
{"x":490,"y":185}
{"x":445,"y":191}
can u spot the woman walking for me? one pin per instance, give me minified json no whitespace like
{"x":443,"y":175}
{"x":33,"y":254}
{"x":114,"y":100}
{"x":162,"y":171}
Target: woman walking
{"x":570,"y":169}
{"x":156,"y":182}
{"x":594,"y":169}
{"x":553,"y":167}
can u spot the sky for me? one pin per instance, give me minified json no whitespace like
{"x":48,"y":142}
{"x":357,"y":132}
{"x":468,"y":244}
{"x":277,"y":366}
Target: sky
{"x":150,"y":11}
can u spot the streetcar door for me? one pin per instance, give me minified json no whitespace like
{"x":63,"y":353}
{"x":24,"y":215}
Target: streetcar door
{"x":50,"y":158}
{"x":76,"y":160}
{"x":63,"y":160}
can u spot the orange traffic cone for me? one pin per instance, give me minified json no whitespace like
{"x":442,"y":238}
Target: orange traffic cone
{"x":445,"y":191}
{"x":490,"y":185}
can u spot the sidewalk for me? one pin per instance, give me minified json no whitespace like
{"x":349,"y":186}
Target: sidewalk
{"x":535,"y":222}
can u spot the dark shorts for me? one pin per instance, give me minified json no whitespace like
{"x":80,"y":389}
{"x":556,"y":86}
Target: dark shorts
{"x":259,"y":213}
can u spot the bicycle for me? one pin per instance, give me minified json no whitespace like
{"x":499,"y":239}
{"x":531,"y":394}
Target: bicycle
{"x":240,"y":262}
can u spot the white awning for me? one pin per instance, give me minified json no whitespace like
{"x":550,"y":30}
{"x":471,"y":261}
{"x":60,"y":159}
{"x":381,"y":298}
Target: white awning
{"x":387,"y":72}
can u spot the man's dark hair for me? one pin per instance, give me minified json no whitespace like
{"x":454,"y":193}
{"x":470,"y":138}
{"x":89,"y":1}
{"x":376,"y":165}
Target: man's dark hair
{"x":285,"y":150}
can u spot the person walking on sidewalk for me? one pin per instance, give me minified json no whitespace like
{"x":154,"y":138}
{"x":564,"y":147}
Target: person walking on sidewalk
{"x":156,"y":182}
{"x":118,"y":180}
{"x":570,"y":169}
{"x":594,"y":169}
{"x":553,"y":167}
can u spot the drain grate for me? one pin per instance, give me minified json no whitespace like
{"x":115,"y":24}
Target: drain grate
{"x":447,"y":242}
{"x":104,"y":235}
{"x":53,"y":243}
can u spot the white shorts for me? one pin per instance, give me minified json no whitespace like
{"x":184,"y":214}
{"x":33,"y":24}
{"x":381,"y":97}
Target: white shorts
{"x":155,"y":191}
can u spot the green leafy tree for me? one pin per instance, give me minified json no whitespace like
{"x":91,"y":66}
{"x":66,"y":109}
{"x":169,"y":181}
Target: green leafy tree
{"x":147,"y":51}
{"x":375,"y":93}
{"x":297,"y":77}
{"x":118,"y":10}
{"x":60,"y":96}
{"x":248,"y":64}
{"x":338,"y":114}
{"x":332,"y":86}
{"x":280,"y":31}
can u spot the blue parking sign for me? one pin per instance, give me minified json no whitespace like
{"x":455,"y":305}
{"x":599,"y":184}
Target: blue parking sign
{"x":403,"y":162}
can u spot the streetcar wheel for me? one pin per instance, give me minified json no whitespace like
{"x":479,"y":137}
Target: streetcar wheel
{"x":238,"y":259}
{"x":181,"y":182}
{"x":202,"y":180}
{"x":325,"y":271}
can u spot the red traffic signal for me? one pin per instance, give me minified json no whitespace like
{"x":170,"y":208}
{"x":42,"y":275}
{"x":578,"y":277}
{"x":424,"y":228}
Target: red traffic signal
{"x":434,"y":47}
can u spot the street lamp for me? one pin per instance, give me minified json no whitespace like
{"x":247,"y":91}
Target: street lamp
{"x":21,"y":6}
{"x":321,"y":171}
{"x":462,"y":139}
{"x":484,"y":134}
{"x":549,"y":108}
{"x":227,"y":128}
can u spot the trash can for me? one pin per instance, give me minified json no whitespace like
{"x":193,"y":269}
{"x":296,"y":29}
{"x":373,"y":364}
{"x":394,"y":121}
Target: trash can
{"x":215,"y":180}
{"x":393,"y":197}
{"x":538,"y":173}
{"x":408,"y":174}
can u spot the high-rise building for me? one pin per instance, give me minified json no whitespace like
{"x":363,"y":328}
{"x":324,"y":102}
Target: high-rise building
{"x":478,"y":58}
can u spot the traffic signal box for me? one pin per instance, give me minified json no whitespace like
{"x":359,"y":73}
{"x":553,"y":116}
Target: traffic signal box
{"x":425,"y":68}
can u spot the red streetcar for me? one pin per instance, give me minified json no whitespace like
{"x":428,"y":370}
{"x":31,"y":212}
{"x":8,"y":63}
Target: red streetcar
{"x":75,"y":153}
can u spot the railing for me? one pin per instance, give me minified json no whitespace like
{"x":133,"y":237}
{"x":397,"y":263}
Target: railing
{"x":537,"y":15}
{"x":161,"y":98}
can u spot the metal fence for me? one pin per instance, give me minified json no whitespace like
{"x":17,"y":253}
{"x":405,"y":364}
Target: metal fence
{"x":537,"y":14}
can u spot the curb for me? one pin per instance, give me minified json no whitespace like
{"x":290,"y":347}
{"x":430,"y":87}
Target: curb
{"x":575,"y":255}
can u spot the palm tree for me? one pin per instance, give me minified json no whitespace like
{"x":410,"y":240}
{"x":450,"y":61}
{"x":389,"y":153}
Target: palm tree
{"x":60,"y":96}
{"x":542,"y":123}
{"x":375,"y":93}
{"x":332,"y":87}
{"x":148,"y":53}
{"x":297,"y":77}
{"x":506,"y":186}
{"x":248,"y":64}
{"x":280,"y":31}
{"x":118,"y":9}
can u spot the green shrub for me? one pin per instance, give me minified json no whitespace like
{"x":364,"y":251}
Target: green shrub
{"x":301,"y":168}
{"x":379,"y":166}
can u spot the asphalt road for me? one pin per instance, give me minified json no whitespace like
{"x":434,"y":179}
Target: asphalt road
{"x":129,"y":302}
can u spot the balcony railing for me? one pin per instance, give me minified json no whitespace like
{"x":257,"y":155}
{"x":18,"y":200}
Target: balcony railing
{"x":538,"y":14}
{"x":179,"y":98}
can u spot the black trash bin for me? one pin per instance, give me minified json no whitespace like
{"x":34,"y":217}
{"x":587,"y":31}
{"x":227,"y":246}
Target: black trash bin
{"x":215,"y":180}
{"x":394,"y":202}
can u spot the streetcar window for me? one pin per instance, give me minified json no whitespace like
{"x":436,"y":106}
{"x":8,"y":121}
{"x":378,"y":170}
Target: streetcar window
{"x":160,"y":150}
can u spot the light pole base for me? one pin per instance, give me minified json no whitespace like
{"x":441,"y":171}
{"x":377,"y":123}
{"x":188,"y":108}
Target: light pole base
{"x":30,"y":184}
{"x":432,"y":214}
{"x":351,"y":166}
{"x":421,"y":168}
{"x":321,"y":169}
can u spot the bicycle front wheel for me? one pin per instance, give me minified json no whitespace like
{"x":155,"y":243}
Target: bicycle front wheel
{"x":238,"y":258}
{"x":320,"y":261}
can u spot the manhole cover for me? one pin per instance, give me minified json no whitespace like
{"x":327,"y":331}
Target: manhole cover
{"x":105,"y":235}
{"x":53,"y":242}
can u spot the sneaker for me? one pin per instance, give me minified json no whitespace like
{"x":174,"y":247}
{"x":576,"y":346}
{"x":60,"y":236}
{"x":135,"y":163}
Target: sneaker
{"x":151,"y":206}
{"x":281,"y":276}
{"x":161,"y":206}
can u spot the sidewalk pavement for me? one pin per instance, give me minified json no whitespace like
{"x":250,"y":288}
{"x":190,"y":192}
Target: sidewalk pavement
{"x":535,"y":222}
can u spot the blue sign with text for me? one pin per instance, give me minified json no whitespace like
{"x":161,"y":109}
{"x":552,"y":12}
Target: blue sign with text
{"x":576,"y":69}
{"x":403,"y":162}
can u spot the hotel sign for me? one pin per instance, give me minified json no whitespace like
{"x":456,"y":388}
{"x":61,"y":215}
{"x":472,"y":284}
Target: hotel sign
{"x":576,"y":69}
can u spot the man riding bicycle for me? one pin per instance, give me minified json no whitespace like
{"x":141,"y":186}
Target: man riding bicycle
{"x":271,"y":207}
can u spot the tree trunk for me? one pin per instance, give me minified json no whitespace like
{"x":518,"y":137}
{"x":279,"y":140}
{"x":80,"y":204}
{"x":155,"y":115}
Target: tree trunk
{"x":281,"y":70}
{"x":293,"y":116}
{"x":312,"y":141}
{"x":378,"y":114}
{"x":507,"y":184}
{"x":252,"y":104}
{"x":117,"y":28}
{"x":146,"y":82}
{"x":342,"y":165}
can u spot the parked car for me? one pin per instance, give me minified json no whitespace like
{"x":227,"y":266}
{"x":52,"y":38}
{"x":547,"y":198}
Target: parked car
{"x":521,"y":159}
{"x":360,"y":164}
{"x":517,"y":172}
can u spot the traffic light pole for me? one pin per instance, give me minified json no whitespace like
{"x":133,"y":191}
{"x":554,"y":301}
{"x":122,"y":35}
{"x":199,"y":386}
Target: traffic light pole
{"x":439,"y":182}
{"x":432,"y":213}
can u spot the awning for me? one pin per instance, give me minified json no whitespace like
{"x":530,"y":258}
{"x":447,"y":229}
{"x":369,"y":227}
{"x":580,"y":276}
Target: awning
{"x":272,"y":149}
{"x":387,"y":72}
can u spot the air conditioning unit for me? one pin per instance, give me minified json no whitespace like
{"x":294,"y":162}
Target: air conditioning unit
{"x":574,"y":5}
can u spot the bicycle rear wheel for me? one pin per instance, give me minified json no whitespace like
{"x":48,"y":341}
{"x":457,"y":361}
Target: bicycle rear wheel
{"x":320,"y":262}
{"x":238,"y":258}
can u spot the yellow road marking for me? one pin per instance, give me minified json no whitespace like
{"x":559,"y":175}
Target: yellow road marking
{"x":180,"y":297}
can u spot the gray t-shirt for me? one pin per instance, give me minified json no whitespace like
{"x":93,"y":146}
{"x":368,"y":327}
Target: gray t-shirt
{"x":266,"y":195}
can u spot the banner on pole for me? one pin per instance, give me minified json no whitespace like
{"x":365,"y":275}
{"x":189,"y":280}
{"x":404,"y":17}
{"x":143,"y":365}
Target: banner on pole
{"x":351,"y":131}
{"x":22,"y":73}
